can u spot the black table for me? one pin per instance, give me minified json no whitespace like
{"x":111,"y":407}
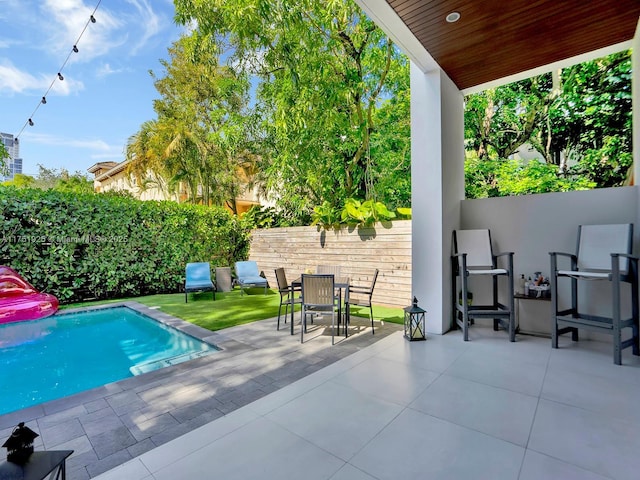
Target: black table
{"x":38,"y":467}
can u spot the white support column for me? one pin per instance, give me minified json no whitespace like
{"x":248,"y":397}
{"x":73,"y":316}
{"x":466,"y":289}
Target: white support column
{"x":635,"y":123}
{"x":635,"y":102}
{"x":437,"y":186}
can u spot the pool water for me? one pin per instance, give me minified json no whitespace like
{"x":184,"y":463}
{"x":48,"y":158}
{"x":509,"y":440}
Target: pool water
{"x":64,"y":354}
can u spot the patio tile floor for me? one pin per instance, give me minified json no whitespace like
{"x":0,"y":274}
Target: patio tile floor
{"x":440,"y":409}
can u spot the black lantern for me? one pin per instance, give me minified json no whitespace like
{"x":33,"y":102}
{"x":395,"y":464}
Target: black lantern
{"x":414,"y":323}
{"x":20,"y":444}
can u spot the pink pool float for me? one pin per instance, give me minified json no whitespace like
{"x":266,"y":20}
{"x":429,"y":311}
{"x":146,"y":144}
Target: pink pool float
{"x":19,"y":300}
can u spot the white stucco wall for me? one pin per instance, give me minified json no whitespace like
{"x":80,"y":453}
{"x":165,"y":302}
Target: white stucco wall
{"x":531,"y":226}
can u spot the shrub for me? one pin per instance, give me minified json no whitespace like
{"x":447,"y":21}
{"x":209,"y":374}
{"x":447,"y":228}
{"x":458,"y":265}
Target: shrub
{"x":81,"y":246}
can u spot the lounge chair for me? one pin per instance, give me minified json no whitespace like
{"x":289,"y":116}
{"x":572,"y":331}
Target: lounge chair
{"x":248,"y":275}
{"x":198,"y":279}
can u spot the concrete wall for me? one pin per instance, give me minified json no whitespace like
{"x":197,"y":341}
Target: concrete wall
{"x":532,"y":226}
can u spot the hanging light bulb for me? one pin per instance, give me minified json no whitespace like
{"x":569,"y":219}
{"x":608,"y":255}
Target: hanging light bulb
{"x":60,"y":76}
{"x":30,"y":123}
{"x":44,"y":100}
{"x":93,"y":19}
{"x":75,"y":49}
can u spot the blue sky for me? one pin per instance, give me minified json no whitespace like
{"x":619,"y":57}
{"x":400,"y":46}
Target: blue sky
{"x":107,"y":91}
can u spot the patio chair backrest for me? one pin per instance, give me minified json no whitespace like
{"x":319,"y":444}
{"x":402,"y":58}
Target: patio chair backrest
{"x":247,"y":268}
{"x":281,"y":278}
{"x":318,"y":290}
{"x":198,"y":272}
{"x":373,"y":282}
{"x":476,"y":244}
{"x":596,"y":243}
{"x":329,"y":269}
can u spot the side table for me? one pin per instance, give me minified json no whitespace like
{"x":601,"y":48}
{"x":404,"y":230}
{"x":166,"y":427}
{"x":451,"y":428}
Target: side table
{"x":518,"y":297}
{"x":38,"y":467}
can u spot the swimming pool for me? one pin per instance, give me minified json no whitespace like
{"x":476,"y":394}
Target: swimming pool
{"x":68,"y":353}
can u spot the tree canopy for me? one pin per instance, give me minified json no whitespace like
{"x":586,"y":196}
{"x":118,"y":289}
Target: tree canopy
{"x":323,"y":73}
{"x":200,"y":136}
{"x":53,"y":179}
{"x":3,"y":159}
{"x":577,"y":119}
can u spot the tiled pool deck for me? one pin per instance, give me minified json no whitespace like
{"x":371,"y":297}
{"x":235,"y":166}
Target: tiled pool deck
{"x":107,"y":426}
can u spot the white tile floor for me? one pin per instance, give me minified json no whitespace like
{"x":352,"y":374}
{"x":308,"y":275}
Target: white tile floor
{"x":440,"y":409}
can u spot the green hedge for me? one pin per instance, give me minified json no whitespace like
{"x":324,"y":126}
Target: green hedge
{"x":100,"y":246}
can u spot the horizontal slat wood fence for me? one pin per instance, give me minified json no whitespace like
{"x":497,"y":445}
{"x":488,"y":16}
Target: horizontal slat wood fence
{"x":357,"y":251}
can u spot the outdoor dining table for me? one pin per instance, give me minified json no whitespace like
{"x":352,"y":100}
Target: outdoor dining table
{"x":340,"y":282}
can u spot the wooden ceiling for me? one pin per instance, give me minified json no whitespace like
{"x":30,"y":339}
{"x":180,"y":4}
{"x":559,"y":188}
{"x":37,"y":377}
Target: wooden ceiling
{"x":495,"y":39}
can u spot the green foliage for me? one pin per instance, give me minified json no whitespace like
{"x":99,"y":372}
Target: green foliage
{"x":20,"y":180}
{"x":403,"y":213}
{"x":328,"y":84}
{"x":485,"y":179}
{"x":79,"y":246}
{"x":609,"y":165}
{"x":4,"y":155}
{"x":200,"y":138}
{"x":578,"y":120}
{"x":51,"y":178}
{"x":270,"y":217}
{"x":326,"y":215}
{"x":364,"y":213}
{"x":355,"y":213}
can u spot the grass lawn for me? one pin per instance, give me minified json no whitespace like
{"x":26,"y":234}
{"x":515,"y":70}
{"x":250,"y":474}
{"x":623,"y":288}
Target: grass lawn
{"x":230,"y":308}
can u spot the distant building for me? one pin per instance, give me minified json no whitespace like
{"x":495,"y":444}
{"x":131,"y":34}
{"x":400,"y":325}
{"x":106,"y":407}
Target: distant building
{"x":14,"y":162}
{"x":113,"y":176}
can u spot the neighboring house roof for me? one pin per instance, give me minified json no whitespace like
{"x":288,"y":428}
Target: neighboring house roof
{"x":97,"y":168}
{"x":103,"y":174}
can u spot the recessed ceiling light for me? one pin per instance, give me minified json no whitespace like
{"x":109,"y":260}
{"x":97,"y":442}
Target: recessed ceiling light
{"x":453,"y":17}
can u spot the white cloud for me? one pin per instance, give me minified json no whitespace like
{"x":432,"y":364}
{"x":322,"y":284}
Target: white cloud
{"x":151,"y":23}
{"x":14,"y":80}
{"x":55,"y":141}
{"x":106,"y":70}
{"x":68,"y":18}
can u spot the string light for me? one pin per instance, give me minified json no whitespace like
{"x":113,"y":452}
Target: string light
{"x":74,"y":49}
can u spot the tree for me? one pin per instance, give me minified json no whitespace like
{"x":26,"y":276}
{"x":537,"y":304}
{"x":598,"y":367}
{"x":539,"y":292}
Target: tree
{"x":3,"y":159}
{"x":582,"y":113}
{"x":199,"y":137}
{"x":53,"y":179}
{"x":321,"y":70}
{"x":591,"y":121}
{"x":20,"y":181}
